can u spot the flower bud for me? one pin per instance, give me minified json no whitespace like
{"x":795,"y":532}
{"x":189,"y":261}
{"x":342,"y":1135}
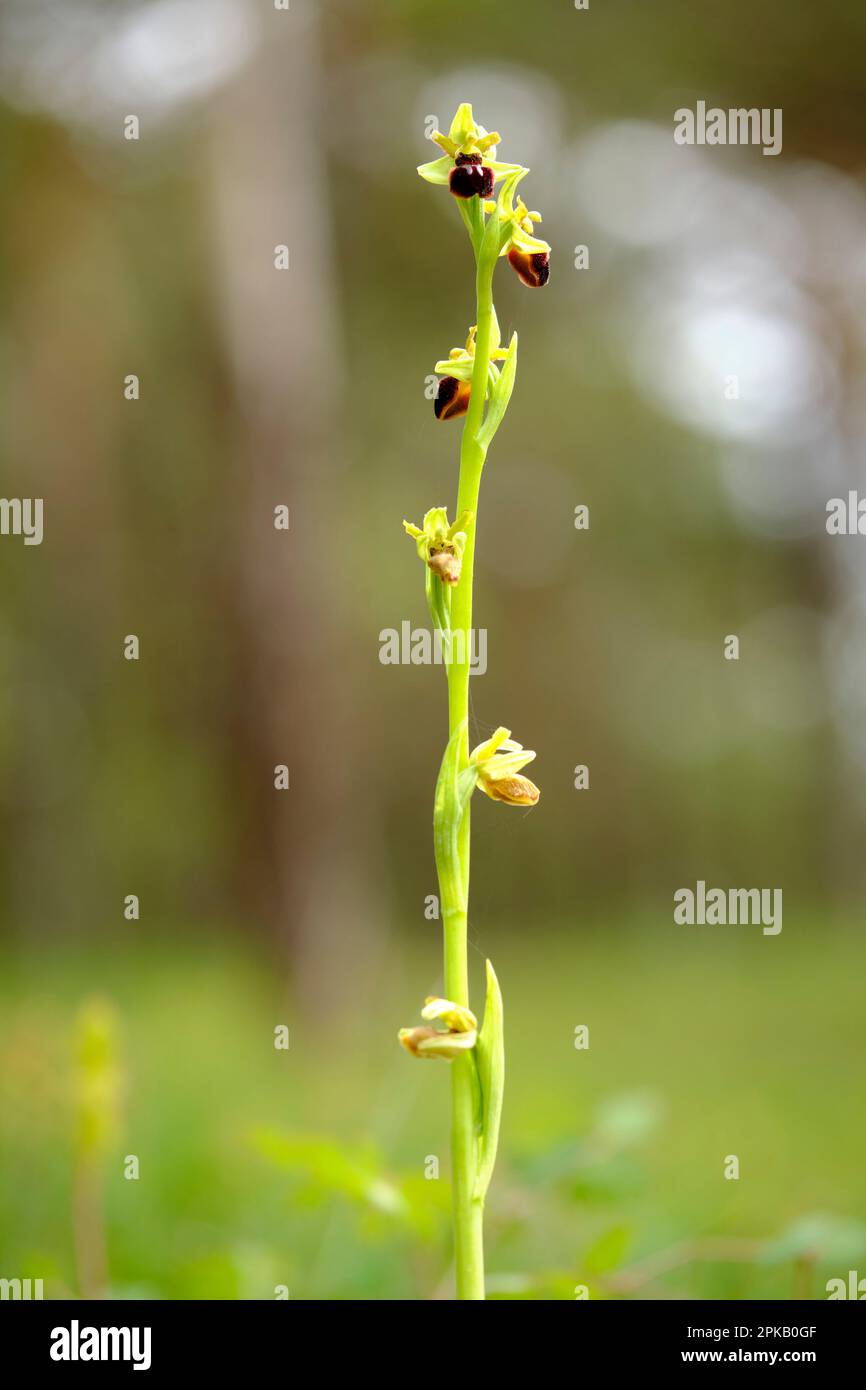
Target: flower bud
{"x":533,"y":269}
{"x":470,"y":177}
{"x":452,"y":398}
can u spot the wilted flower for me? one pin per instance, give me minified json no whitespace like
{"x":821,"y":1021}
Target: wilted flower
{"x":496,"y":764}
{"x":458,"y":1031}
{"x":439,"y":544}
{"x":469,"y":165}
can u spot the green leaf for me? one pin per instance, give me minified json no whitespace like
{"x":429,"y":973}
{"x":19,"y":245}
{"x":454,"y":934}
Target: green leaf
{"x":627,"y":1119}
{"x":500,"y":395}
{"x":447,"y":815}
{"x":332,"y":1169}
{"x":608,"y":1252}
{"x":490,"y":1056}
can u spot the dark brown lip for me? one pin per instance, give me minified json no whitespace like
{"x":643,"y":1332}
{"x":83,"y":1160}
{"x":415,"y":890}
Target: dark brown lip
{"x":533,"y":270}
{"x":471,"y":178}
{"x":452,"y":398}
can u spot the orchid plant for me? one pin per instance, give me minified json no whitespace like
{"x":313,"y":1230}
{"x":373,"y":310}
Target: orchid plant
{"x":476,"y":383}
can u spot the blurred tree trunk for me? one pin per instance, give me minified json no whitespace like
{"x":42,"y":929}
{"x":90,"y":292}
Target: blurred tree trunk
{"x":307,"y":851}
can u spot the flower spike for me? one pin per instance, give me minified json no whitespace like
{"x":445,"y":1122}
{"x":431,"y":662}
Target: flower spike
{"x":476,"y":381}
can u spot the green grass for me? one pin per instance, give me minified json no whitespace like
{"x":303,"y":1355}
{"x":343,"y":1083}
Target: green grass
{"x":704,"y":1042}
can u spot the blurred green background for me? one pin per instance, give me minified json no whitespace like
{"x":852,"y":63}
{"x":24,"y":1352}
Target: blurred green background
{"x":306,"y":1167}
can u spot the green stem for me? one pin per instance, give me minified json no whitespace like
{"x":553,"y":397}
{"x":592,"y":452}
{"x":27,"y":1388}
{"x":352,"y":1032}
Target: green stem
{"x":468,"y":1210}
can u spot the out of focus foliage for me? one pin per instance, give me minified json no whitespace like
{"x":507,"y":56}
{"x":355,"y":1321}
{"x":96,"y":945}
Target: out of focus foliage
{"x":315,"y":1169}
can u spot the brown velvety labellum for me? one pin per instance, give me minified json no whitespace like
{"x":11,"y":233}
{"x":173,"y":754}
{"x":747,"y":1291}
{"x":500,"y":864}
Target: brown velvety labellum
{"x":452,"y":398}
{"x":470,"y":178}
{"x":533,"y":270}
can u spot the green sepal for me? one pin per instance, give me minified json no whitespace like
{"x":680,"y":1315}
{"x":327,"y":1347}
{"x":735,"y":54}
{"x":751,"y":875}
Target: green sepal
{"x":464,"y":368}
{"x":438,"y":170}
{"x":500,"y":395}
{"x":459,"y":367}
{"x":504,"y":171}
{"x":490,"y":1060}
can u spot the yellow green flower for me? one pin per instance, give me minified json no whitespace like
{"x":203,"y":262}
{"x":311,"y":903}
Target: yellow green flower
{"x":496,"y":764}
{"x":469,"y":165}
{"x":452,"y":398}
{"x":527,"y":254}
{"x":457,"y":1031}
{"x":440,"y":545}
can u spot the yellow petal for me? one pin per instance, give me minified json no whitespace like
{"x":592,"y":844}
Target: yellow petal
{"x":488,"y":748}
{"x":456,"y":1017}
{"x":504,"y":764}
{"x":531,"y":245}
{"x":488,"y":140}
{"x":444,"y":143}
